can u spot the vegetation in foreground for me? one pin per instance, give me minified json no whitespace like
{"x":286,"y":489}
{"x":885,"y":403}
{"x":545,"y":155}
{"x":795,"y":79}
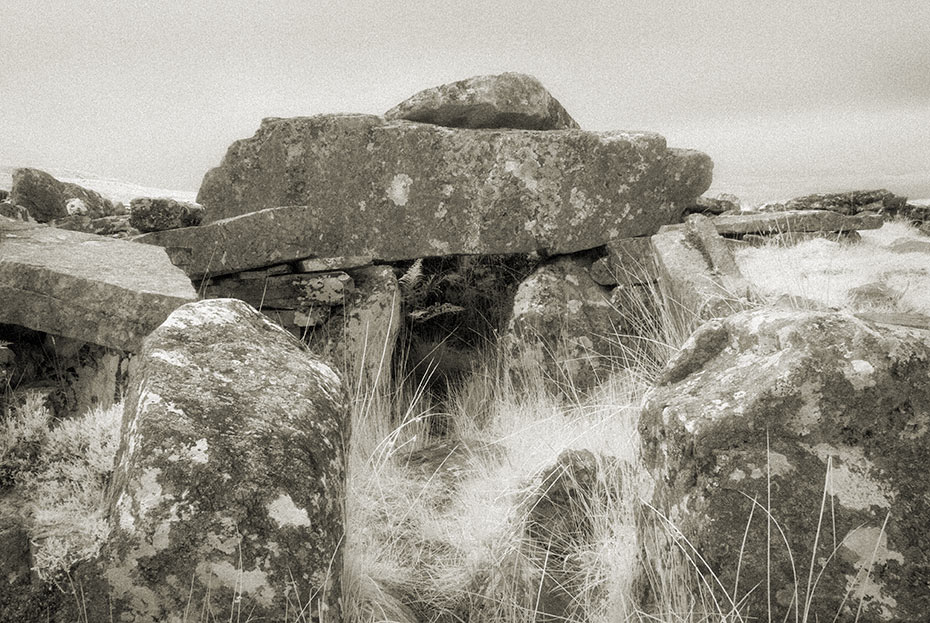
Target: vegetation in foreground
{"x":443,"y":529}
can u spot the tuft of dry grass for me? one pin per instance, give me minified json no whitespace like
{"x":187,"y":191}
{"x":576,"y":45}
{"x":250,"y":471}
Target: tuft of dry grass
{"x":834,"y":274}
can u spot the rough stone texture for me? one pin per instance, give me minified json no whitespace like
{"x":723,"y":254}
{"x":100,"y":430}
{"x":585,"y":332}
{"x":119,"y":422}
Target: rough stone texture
{"x":288,"y":291}
{"x":791,"y":238}
{"x":46,"y":198}
{"x":160,"y":213}
{"x":401,"y":190}
{"x":117,"y":226}
{"x":697,"y":271}
{"x":925,"y":229}
{"x":798,"y":399}
{"x":914,"y":321}
{"x":559,"y":514}
{"x":508,"y":100}
{"x":628,"y":261}
{"x":91,"y":288}
{"x":360,"y":339}
{"x":15,"y":212}
{"x":917,"y":214}
{"x":714,"y":205}
{"x":910,"y":245}
{"x":229,"y":476}
{"x":793,"y":221}
{"x":850,"y":203}
{"x":322,"y":264}
{"x":563,"y":326}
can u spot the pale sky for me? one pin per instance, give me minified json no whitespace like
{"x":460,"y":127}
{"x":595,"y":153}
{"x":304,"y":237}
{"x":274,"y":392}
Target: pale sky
{"x":785,"y":95}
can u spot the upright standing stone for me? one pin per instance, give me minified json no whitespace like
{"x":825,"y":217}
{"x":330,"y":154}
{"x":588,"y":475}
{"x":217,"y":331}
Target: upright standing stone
{"x":697,"y":271}
{"x":227,"y":492}
{"x":360,"y":338}
{"x":564,"y":327}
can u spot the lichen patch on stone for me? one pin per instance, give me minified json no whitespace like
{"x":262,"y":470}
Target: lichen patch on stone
{"x":286,"y":513}
{"x":867,"y":548}
{"x":849,"y":478}
{"x":861,"y":376}
{"x":253,"y":583}
{"x":399,"y":190}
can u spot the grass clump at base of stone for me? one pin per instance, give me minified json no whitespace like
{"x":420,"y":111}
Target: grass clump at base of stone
{"x":55,"y":473}
{"x":453,"y":528}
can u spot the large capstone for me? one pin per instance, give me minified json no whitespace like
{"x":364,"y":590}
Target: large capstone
{"x":821,"y":420}
{"x":227,"y":490}
{"x":401,"y":190}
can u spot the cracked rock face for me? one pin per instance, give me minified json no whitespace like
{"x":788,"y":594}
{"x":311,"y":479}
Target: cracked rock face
{"x":229,"y":475}
{"x":398,"y":190}
{"x":508,"y":100}
{"x":844,"y":407}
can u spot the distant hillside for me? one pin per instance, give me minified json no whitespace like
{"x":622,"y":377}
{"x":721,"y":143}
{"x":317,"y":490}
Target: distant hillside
{"x":115,"y":190}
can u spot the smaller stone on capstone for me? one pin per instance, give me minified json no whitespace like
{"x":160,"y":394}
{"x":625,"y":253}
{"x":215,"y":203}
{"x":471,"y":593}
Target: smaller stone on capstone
{"x":508,"y":100}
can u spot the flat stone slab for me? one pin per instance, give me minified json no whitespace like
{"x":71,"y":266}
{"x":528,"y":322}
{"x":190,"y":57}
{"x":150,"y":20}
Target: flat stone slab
{"x":793,"y":221}
{"x":697,"y":270}
{"x":508,"y":100}
{"x":91,"y":288}
{"x":295,"y":291}
{"x":401,"y":190}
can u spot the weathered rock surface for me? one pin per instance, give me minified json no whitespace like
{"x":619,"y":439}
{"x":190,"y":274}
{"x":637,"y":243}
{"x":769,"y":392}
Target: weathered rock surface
{"x":560,"y":512}
{"x":287,"y":291}
{"x":628,"y":261}
{"x":793,"y":221}
{"x":401,"y":190}
{"x":776,"y":402}
{"x":791,"y":238}
{"x":910,"y":245}
{"x":850,"y":203}
{"x":91,"y":288}
{"x":714,"y":205}
{"x":697,"y":271}
{"x":160,"y":213}
{"x":18,"y":213}
{"x":117,"y":226}
{"x":46,"y":198}
{"x":563,"y":326}
{"x":508,"y":100}
{"x":361,"y":337}
{"x":323,"y":264}
{"x":226,"y":494}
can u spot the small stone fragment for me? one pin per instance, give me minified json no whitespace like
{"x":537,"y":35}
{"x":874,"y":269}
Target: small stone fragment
{"x":161,"y":213}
